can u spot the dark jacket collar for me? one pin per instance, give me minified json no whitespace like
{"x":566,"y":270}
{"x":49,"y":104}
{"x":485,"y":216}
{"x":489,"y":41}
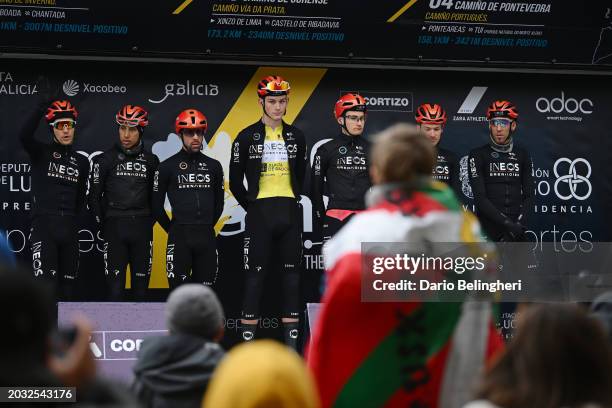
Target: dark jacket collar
{"x":139,"y":148}
{"x":189,"y":155}
{"x":349,"y":139}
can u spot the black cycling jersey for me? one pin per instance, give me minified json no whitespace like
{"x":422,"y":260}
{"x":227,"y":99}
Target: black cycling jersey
{"x":247,"y":152}
{"x":341,"y":171}
{"x":502,"y":184}
{"x":59,"y":174}
{"x":122,"y":183}
{"x":446,"y":169}
{"x":194,"y":184}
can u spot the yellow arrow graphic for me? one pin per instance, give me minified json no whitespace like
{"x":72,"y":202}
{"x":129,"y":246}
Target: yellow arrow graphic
{"x":243,"y":112}
{"x":401,"y":11}
{"x":182,"y":6}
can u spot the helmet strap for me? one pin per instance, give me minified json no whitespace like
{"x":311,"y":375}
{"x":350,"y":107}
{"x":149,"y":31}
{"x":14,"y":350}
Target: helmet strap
{"x":51,"y":128}
{"x":263,"y":105}
{"x":134,"y":150}
{"x":501,"y":148}
{"x":441,"y":133}
{"x":343,"y":125}
{"x":506,"y":147}
{"x":186,"y":147}
{"x":55,"y":140}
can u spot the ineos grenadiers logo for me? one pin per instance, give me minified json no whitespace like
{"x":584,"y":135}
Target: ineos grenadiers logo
{"x":72,"y":87}
{"x":578,"y":185}
{"x":188,"y":89}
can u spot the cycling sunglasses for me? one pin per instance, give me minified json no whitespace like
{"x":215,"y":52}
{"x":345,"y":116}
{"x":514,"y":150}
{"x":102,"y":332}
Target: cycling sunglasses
{"x":504,"y":123}
{"x":128,"y":122}
{"x":193,"y":132}
{"x":278,"y":86}
{"x":64,"y":123}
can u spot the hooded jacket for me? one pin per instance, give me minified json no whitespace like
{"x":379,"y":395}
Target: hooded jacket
{"x":174,"y":370}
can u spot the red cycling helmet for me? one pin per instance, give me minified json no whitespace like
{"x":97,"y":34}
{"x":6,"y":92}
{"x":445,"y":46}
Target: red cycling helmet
{"x":132,"y":116}
{"x":502,"y":109}
{"x":273,"y":85}
{"x":349,"y":102}
{"x":190,"y":119}
{"x":61,"y":110}
{"x":430,"y":114}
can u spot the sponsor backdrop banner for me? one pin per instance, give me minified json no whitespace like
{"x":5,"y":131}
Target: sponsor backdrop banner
{"x":534,"y":31}
{"x":564,"y":123}
{"x":119,"y":329}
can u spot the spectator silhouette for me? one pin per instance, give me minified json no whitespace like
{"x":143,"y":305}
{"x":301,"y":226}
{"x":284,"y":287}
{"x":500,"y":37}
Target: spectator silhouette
{"x":174,"y":370}
{"x":33,"y":354}
{"x":559,"y":357}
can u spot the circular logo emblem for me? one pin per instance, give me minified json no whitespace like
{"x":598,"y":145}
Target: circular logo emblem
{"x":575,"y":179}
{"x":342,"y":150}
{"x":183,"y":166}
{"x":70,"y":87}
{"x":256,"y":136}
{"x":121,"y":156}
{"x":494,"y":155}
{"x":57,"y":155}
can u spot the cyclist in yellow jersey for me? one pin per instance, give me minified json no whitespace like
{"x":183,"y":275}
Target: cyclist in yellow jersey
{"x":275,"y":177}
{"x":271,"y":154}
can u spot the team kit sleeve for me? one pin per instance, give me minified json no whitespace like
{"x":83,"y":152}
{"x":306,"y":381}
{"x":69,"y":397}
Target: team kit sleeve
{"x":160,"y":188}
{"x":317,"y":182}
{"x":528,"y":187}
{"x":219,"y":192}
{"x":81,"y":197}
{"x":151,"y":170}
{"x":97,"y":180}
{"x":301,"y":163}
{"x":237,"y":168}
{"x":455,"y":180}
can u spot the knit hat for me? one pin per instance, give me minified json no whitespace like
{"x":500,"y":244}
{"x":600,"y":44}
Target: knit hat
{"x":261,"y":373}
{"x":194,"y":309}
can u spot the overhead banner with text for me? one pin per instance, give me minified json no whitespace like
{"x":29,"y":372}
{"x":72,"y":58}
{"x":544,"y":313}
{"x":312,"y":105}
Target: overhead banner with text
{"x":398,"y":31}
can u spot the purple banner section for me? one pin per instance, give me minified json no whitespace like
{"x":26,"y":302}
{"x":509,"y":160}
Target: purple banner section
{"x":119,"y":329}
{"x":313,"y":310}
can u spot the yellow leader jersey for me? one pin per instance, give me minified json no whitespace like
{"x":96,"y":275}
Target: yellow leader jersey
{"x":275,"y":177}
